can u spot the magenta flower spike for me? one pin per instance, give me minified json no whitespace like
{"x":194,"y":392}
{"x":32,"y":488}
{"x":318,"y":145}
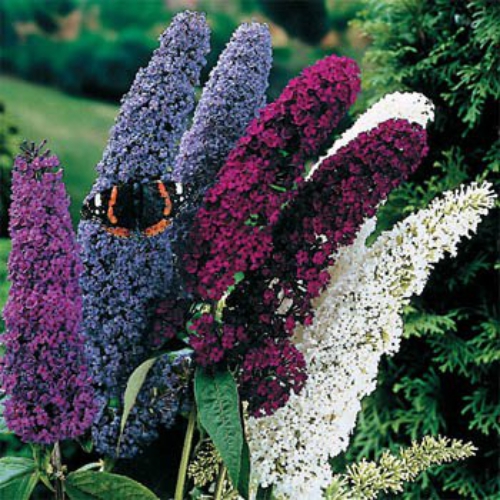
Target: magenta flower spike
{"x":232,"y":232}
{"x":43,"y":371}
{"x":326,"y":214}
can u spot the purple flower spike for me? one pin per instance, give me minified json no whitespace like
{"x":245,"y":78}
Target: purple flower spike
{"x":50,"y":395}
{"x":154,"y":113}
{"x":124,"y":278}
{"x":232,"y":232}
{"x":232,"y":96}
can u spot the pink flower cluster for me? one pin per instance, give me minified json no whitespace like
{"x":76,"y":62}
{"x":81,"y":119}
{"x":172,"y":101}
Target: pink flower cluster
{"x":232,"y":232}
{"x":277,"y":232}
{"x":213,"y":342}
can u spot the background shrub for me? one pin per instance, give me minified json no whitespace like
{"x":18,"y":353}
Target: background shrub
{"x":95,"y":47}
{"x":8,"y":147}
{"x":445,"y":378}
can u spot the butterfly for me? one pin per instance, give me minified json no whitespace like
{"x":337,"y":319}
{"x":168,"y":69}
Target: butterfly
{"x":145,"y":207}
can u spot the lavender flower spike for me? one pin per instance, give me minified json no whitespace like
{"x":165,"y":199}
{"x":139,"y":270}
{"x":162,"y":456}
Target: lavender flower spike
{"x":155,"y":112}
{"x":43,"y":370}
{"x":125,"y":277}
{"x":232,"y":96}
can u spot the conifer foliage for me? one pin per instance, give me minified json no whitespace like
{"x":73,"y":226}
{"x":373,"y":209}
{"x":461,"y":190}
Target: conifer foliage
{"x":445,"y":378}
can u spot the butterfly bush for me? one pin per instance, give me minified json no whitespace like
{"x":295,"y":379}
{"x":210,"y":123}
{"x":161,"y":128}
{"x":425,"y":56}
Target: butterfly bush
{"x":234,"y":92}
{"x":43,"y":370}
{"x":326,"y":212}
{"x":232,"y":231}
{"x":125,"y":277}
{"x":357,"y":321}
{"x":231,"y":98}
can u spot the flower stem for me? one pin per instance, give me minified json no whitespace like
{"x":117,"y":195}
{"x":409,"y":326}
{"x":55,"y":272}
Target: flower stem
{"x":58,"y":472}
{"x":186,"y":452}
{"x":108,"y":464}
{"x":219,"y":487}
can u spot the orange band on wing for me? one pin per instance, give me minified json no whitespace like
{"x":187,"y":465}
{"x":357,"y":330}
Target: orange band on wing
{"x":112,"y":202}
{"x":158,"y":228}
{"x":118,"y":231}
{"x":166,"y":197}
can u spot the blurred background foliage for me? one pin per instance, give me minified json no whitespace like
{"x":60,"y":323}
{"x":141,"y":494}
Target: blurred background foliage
{"x":92,"y":49}
{"x":66,"y":63}
{"x":9,"y":140}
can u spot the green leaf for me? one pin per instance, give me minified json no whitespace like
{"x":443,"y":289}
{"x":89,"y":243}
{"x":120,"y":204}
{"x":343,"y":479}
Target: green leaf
{"x":134,"y":384}
{"x":21,"y":488}
{"x":44,"y":478}
{"x":18,"y":477}
{"x":89,"y":485}
{"x":14,"y":467}
{"x":244,"y":483}
{"x":219,"y":413}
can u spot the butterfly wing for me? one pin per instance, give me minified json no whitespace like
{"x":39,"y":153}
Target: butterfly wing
{"x":113,"y":208}
{"x":96,"y":207}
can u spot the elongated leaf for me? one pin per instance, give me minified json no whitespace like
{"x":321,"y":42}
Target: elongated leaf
{"x":20,"y":488}
{"x":12,"y":468}
{"x":219,"y":413}
{"x":244,"y":484}
{"x":134,"y":385}
{"x":90,"y":485}
{"x":18,"y":477}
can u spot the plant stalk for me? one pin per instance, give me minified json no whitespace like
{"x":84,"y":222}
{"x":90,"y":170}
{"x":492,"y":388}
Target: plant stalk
{"x":219,"y":487}
{"x":58,"y":472}
{"x":108,"y":464}
{"x":186,"y":452}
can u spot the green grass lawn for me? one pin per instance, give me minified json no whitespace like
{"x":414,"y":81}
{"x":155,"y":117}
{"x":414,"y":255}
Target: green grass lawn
{"x":76,"y":129}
